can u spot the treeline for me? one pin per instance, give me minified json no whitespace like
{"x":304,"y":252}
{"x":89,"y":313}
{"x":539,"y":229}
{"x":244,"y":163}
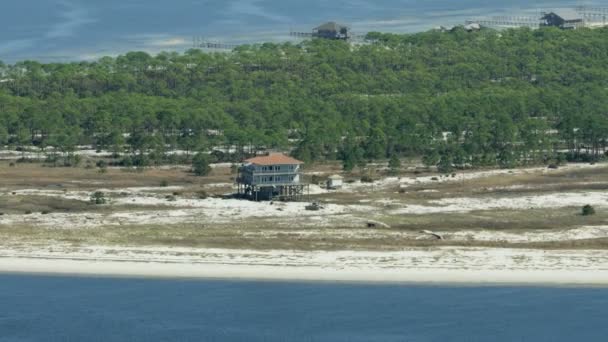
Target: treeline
{"x":458,"y":99}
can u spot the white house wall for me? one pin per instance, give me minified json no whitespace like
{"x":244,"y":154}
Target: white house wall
{"x":271,"y":174}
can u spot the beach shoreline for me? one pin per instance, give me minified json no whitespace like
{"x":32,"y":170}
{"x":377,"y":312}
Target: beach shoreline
{"x":516,"y":227}
{"x":278,"y":273}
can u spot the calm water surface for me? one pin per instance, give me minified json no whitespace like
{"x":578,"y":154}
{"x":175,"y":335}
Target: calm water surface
{"x":36,"y":308}
{"x":84,"y":29}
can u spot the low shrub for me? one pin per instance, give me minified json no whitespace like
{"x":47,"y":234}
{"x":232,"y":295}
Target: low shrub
{"x":316,"y":179}
{"x":102,"y":165}
{"x":588,"y":210}
{"x":98,"y":197}
{"x":202,"y":194}
{"x":367,"y":179}
{"x":234,"y":169}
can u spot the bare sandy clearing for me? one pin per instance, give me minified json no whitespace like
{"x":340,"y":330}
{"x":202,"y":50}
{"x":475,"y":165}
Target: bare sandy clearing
{"x":406,"y":182}
{"x":469,"y":204}
{"x":582,"y":233}
{"x":208,"y":211}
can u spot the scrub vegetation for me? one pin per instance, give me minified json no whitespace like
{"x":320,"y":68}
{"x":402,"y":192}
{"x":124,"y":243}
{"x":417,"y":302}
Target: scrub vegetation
{"x":455,"y":99}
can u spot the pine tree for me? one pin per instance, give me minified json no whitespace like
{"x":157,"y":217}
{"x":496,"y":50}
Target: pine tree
{"x":394,"y":164}
{"x":3,"y":137}
{"x":431,"y":158}
{"x":200,"y":164}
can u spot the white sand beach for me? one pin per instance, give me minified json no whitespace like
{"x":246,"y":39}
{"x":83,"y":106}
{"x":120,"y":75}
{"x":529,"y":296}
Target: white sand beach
{"x":441,"y":265}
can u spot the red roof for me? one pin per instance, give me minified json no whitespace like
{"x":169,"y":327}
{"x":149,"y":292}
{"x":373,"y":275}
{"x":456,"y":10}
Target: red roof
{"x":274,"y":159}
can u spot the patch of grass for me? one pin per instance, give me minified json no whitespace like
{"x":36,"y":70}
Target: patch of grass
{"x":225,"y":237}
{"x":36,"y":176}
{"x":18,"y":204}
{"x":527,"y":220}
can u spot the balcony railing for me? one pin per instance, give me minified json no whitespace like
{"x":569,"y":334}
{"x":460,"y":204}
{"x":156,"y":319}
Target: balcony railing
{"x":252,"y":181}
{"x":294,"y":182}
{"x":271,"y":173}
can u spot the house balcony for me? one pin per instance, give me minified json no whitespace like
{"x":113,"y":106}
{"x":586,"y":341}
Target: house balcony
{"x":276,"y":183}
{"x":269,"y":179}
{"x":273,"y":173}
{"x":269,"y":172}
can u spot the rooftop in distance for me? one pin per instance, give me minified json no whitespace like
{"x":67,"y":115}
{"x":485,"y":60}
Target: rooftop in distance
{"x":331,"y":26}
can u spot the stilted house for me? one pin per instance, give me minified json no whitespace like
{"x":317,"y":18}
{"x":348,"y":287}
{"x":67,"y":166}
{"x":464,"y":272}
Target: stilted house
{"x":332,"y":30}
{"x":270,"y":177}
{"x":567,"y":20}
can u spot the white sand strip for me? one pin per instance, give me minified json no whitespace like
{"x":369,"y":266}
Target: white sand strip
{"x":469,"y":204}
{"x":442,"y":265}
{"x":282,"y":273}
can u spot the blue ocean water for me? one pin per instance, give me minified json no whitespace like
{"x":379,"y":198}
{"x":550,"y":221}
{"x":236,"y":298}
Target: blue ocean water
{"x":86,"y":29}
{"x":38,"y":308}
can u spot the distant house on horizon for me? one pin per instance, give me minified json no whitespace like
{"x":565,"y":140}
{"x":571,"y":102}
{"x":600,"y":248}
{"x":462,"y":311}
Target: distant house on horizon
{"x":272,"y":176}
{"x":332,"y":30}
{"x":564,"y":19}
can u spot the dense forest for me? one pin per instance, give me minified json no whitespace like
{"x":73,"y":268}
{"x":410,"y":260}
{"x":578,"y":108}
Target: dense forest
{"x":457,"y":99}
